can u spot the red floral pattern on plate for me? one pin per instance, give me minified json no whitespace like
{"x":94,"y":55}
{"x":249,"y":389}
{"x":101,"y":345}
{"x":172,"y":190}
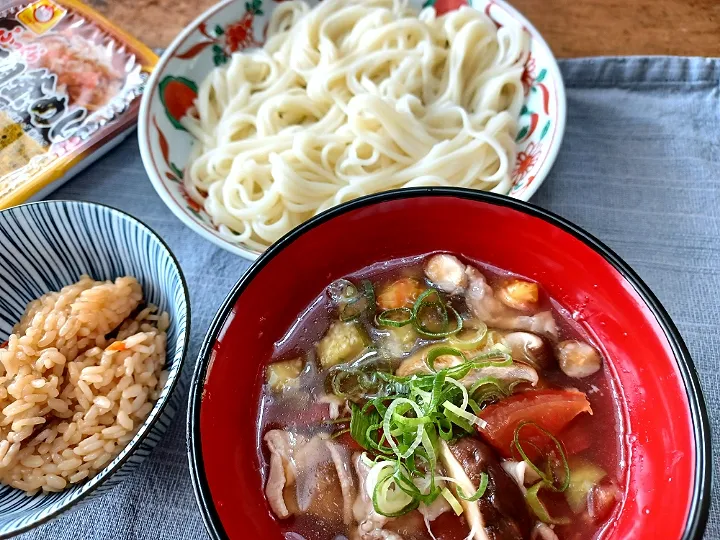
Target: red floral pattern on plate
{"x":527,"y":78}
{"x":225,"y":41}
{"x":525,"y":161}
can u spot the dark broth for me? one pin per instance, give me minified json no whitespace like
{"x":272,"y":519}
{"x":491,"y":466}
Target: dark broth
{"x":304,"y":412}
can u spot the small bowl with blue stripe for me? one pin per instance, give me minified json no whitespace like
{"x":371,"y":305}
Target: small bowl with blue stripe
{"x":50,"y":244}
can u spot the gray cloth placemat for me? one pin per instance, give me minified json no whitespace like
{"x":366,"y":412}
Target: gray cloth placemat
{"x":639,"y":168}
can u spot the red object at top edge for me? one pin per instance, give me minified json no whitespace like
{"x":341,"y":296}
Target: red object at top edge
{"x":663,"y":488}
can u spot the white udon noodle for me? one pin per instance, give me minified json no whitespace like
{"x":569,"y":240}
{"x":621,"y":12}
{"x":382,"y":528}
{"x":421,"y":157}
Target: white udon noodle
{"x":348,"y":99}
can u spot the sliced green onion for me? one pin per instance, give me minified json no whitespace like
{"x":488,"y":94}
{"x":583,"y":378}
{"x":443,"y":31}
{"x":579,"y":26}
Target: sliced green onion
{"x":452,"y":501}
{"x":410,"y":485}
{"x":465,"y":415}
{"x":484,"y":479}
{"x":488,"y":389}
{"x":445,"y":430}
{"x":429,"y":450}
{"x":387,"y":429}
{"x":358,"y":304}
{"x":550,"y":482}
{"x":474,"y":406}
{"x":463,"y":392}
{"x":425,"y":397}
{"x":438,"y":335}
{"x":369,"y":293}
{"x":436,"y":352}
{"x":377,"y":446}
{"x":439,"y":309}
{"x":421,"y":300}
{"x":539,"y":509}
{"x":338,"y":420}
{"x":360,"y":421}
{"x":365,"y":378}
{"x":403,"y":422}
{"x":422,"y":303}
{"x":478,"y":493}
{"x":459,"y":421}
{"x":405,"y":482}
{"x":473,"y":342}
{"x":497,"y":351}
{"x":396,"y":317}
{"x":485,"y":381}
{"x":437,"y":392}
{"x":387,"y":497}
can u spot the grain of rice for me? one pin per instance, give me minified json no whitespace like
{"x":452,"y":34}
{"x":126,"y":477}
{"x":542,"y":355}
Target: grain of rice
{"x":92,"y":456}
{"x":78,"y":477}
{"x":54,"y":482}
{"x":113,"y":432}
{"x":138,"y":402}
{"x":58,"y":404}
{"x":100,"y":462}
{"x":69,"y":401}
{"x":124,"y":420}
{"x":36,"y":398}
{"x":69,"y":464}
{"x":85,"y":389}
{"x":143,"y":411}
{"x":10,"y":455}
{"x":131,"y":392}
{"x":19,"y":425}
{"x":124,"y":439}
{"x":4,"y":447}
{"x":103,"y":403}
{"x":32,"y":462}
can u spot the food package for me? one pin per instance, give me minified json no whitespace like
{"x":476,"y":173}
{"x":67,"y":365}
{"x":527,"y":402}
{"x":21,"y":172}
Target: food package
{"x":70,"y":86}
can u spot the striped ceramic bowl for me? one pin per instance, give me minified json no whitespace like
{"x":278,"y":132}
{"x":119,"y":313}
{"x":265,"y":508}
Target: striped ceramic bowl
{"x":50,"y":244}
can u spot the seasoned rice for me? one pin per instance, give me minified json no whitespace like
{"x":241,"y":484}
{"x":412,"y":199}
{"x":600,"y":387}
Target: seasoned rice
{"x":78,"y":376}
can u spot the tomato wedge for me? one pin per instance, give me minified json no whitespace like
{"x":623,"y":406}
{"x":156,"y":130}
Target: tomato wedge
{"x":576,"y":436}
{"x":550,"y":409}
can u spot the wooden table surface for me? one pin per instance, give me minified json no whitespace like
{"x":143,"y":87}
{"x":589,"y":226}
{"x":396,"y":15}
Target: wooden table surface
{"x":572,"y":27}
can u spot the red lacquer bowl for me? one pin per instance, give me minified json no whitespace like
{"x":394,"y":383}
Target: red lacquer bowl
{"x":668,"y":437}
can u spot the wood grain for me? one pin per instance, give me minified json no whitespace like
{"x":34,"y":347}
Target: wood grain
{"x":572,"y":27}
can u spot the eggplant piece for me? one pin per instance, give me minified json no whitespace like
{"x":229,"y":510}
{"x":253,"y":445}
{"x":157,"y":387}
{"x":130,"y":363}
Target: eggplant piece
{"x":343,"y":342}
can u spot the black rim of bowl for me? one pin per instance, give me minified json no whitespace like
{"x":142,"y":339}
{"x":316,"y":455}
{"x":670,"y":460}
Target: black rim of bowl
{"x":145,"y":430}
{"x":700,"y":503}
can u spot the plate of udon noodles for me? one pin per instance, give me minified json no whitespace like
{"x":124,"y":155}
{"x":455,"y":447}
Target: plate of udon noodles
{"x":263,"y":114}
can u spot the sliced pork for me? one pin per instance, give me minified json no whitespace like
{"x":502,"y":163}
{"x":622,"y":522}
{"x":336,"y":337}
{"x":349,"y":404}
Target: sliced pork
{"x":309,"y":476}
{"x":447,"y":273}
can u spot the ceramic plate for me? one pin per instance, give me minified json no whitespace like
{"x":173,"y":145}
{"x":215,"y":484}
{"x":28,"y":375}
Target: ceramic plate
{"x":235,"y":25}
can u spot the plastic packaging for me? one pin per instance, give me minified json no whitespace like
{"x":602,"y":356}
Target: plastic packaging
{"x":70,"y":86}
